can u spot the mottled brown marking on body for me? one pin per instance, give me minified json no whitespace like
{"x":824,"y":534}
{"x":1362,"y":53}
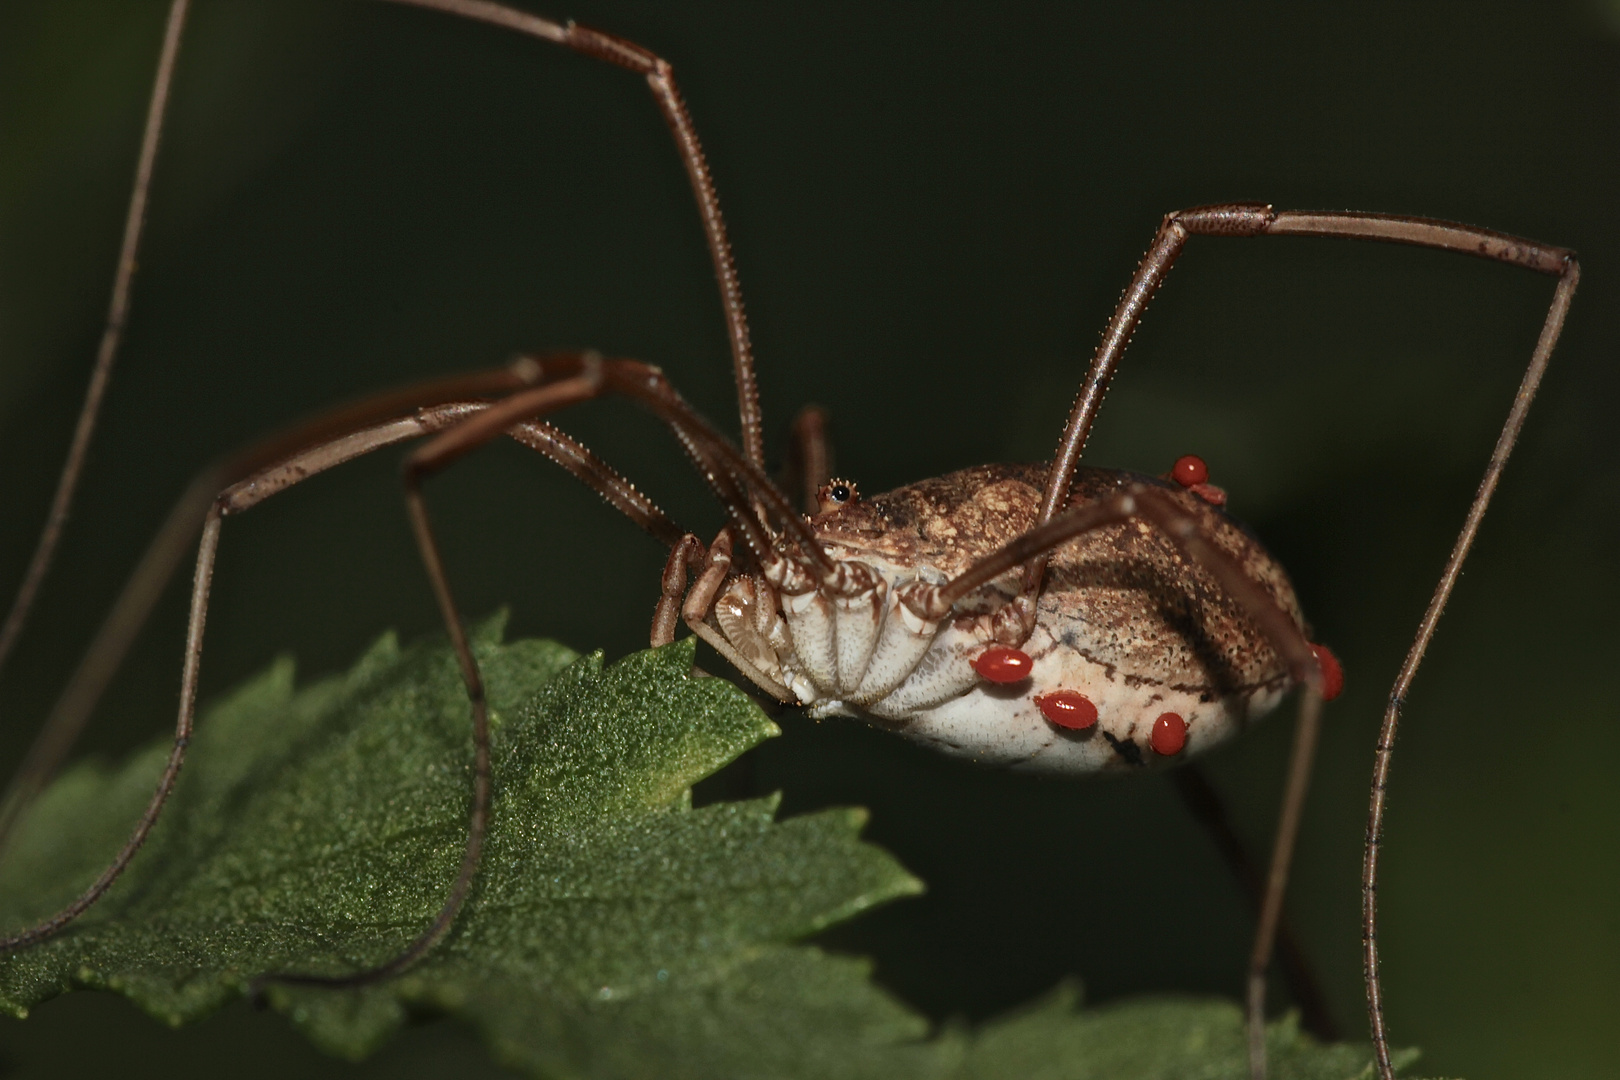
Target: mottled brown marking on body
{"x":1122,"y":595}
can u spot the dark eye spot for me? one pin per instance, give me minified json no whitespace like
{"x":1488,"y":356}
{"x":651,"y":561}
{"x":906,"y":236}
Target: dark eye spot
{"x":836,"y":494}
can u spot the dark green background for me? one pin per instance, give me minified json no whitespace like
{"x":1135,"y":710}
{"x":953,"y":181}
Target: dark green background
{"x":934,"y":208}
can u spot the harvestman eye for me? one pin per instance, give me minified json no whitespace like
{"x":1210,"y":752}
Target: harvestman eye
{"x":968,"y":611}
{"x":835,"y":495}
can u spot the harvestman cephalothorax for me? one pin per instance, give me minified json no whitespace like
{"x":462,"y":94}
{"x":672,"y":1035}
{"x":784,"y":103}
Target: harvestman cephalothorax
{"x":1055,"y":617}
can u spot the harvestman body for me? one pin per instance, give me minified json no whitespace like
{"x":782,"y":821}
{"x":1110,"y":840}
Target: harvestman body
{"x":1135,"y":656}
{"x":1049,"y":617}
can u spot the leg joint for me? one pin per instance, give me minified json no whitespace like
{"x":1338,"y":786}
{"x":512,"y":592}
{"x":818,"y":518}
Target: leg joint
{"x":1227,"y":219}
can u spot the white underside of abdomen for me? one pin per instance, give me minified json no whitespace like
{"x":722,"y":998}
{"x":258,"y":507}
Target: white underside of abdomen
{"x":1002,"y":725}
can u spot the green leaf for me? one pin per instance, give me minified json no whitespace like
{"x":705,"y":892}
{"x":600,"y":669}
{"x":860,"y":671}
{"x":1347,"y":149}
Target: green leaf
{"x":614,"y":930}
{"x":1162,"y":1038}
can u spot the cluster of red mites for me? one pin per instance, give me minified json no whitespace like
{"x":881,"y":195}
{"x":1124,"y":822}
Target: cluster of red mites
{"x":1070,"y":709}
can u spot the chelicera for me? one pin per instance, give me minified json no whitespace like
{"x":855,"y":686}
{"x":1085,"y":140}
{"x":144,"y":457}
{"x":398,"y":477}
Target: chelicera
{"x":1051,"y":617}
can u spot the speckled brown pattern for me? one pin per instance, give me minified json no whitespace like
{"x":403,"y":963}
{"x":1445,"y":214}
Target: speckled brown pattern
{"x":1122,"y":595}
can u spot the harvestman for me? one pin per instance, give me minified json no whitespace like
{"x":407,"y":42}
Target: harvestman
{"x":1047,"y":617}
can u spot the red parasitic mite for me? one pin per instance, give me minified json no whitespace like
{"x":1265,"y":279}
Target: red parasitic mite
{"x":1332,"y":672}
{"x":1169,"y":734}
{"x":1001,"y":665}
{"x":1067,"y":709}
{"x":1189,"y":471}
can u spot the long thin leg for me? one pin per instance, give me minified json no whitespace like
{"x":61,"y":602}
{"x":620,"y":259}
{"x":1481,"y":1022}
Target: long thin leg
{"x":171,"y":769}
{"x":565,"y":381}
{"x":112,"y":335}
{"x":1420,"y":644}
{"x":463,"y":427}
{"x":724,"y":468}
{"x":1290,"y":643}
{"x":1253,"y":219}
{"x":1298,"y":780}
{"x":1140,"y":501}
{"x":262,"y":475}
{"x":726,"y":475}
{"x":353,"y":444}
{"x":162,"y":557}
{"x":1259,"y":219}
{"x":660,"y":76}
{"x":1207,"y":807}
{"x":422,"y":463}
{"x":266,"y":471}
